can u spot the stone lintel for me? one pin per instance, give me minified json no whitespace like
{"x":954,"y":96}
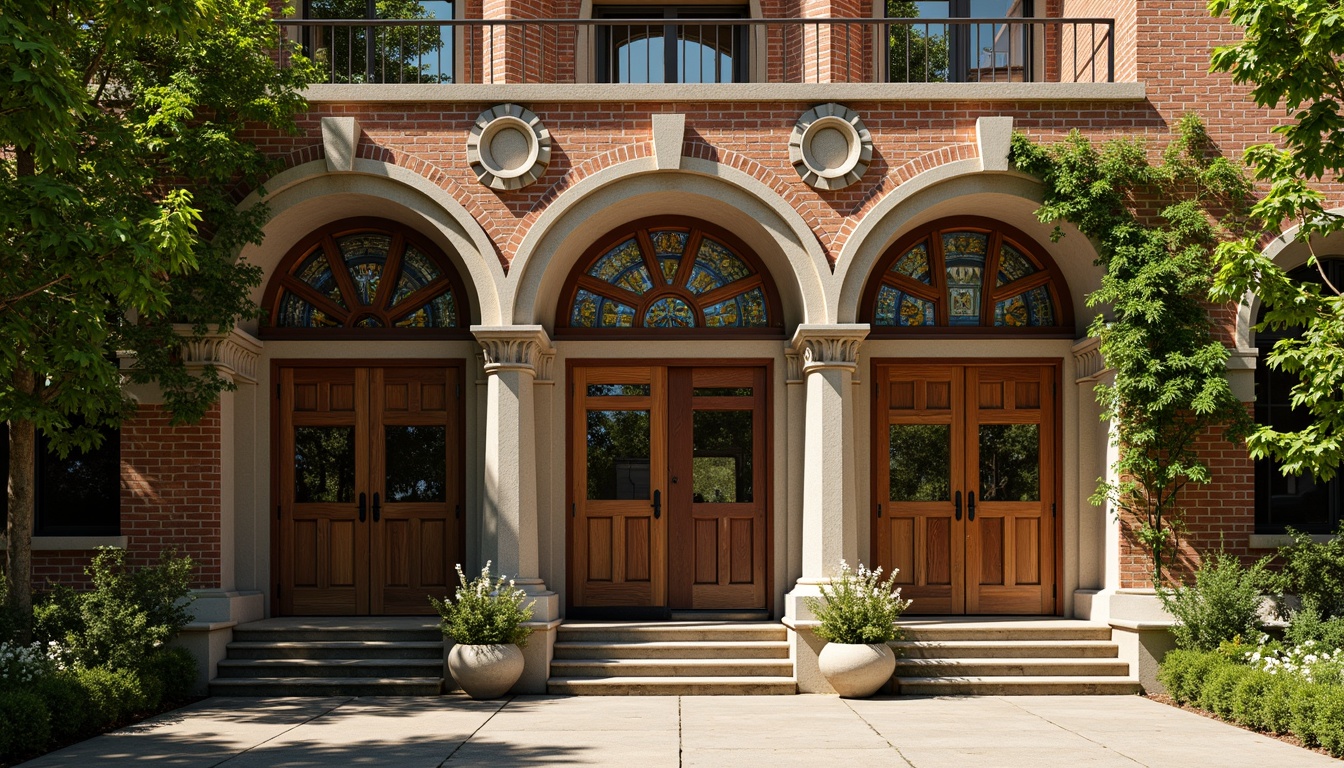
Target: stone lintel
{"x":512,"y":347}
{"x":829,"y":346}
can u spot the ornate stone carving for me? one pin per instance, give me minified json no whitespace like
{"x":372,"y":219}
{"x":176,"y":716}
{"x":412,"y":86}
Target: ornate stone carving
{"x":793,"y":368}
{"x":513,"y":347}
{"x":829,"y":346}
{"x":830,"y":147}
{"x":234,"y":354}
{"x":508,"y":147}
{"x":1088,"y":364}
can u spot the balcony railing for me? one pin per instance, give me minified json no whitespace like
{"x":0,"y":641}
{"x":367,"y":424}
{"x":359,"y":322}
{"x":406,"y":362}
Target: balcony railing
{"x":552,"y":51}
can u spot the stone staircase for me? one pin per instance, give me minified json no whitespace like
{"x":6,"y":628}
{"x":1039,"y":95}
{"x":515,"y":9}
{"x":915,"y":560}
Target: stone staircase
{"x":1009,"y":656}
{"x":333,"y":657}
{"x":678,"y":658}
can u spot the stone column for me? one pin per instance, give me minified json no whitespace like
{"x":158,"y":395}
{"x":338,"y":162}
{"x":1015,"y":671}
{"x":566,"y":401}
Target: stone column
{"x":509,"y":503}
{"x":830,"y":518}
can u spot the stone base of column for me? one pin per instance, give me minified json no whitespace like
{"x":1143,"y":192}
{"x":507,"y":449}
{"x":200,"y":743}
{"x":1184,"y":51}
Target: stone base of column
{"x":540,"y":647}
{"x":804,"y":645}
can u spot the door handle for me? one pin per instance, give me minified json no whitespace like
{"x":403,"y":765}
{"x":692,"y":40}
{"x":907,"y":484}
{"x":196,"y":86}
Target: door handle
{"x":970,"y":505}
{"x":362,"y":502}
{"x":956,"y":504}
{"x":657,"y":504}
{"x":377,"y":507}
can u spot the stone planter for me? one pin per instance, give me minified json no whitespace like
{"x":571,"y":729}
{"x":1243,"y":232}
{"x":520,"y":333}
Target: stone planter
{"x":485,"y":671}
{"x":856,"y":671}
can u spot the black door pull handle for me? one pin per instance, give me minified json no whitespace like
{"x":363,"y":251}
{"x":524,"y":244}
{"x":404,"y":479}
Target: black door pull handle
{"x":956,"y":504}
{"x":970,"y":505}
{"x":377,"y":507}
{"x":362,"y":512}
{"x":879,"y":510}
{"x":657,"y":504}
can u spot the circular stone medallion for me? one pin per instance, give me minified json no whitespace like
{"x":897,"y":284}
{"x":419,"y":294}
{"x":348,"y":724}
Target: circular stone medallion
{"x":508,"y":147}
{"x":830,"y":147}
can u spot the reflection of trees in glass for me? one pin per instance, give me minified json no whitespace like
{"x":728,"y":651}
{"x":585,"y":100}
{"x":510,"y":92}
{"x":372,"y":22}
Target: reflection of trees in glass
{"x":618,"y":454}
{"x":324,"y":464}
{"x":915,"y":54}
{"x":401,"y":54}
{"x":1010,"y":462}
{"x":921,"y":462}
{"x":416,"y":459}
{"x":721,"y":467}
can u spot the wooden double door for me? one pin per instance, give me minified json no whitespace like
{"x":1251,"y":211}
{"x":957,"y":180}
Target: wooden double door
{"x":965,"y":477}
{"x":669,"y":481}
{"x":368,"y":483}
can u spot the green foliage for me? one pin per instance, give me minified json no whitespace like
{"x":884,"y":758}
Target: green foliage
{"x":125,"y":618}
{"x":1222,"y":604}
{"x":400,"y":54}
{"x":1183,"y":672}
{"x":1307,"y":625}
{"x":1304,"y":707}
{"x":69,"y":703}
{"x":1219,"y":690}
{"x":25,"y":724}
{"x":113,"y":696}
{"x":122,"y":145}
{"x":1170,"y":384}
{"x":175,"y":671}
{"x":915,"y":56}
{"x":858,"y":607}
{"x":1315,"y":572}
{"x":485,"y":611}
{"x":1250,"y":698}
{"x":1289,"y":55}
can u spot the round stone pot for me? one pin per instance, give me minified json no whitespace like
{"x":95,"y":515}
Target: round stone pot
{"x":856,"y":671}
{"x":485,"y":671}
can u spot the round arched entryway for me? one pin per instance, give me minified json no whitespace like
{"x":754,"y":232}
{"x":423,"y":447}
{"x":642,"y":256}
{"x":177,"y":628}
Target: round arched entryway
{"x":966,"y":444}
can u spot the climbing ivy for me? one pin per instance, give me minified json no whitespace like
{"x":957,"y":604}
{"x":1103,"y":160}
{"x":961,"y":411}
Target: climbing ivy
{"x":1155,"y":228}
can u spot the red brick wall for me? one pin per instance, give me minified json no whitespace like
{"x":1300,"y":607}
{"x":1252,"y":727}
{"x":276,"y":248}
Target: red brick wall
{"x":170,"y":488}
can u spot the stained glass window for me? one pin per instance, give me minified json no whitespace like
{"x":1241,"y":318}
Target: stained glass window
{"x":966,"y":276}
{"x":366,"y":277}
{"x":669,"y":277}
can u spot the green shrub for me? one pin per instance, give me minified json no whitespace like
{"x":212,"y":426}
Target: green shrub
{"x":1276,"y":711}
{"x":175,"y":671}
{"x":1315,"y":572}
{"x":1306,"y":702}
{"x":68,"y":703}
{"x":1218,"y":693}
{"x":858,"y":607}
{"x":113,"y":695}
{"x":25,"y":725}
{"x":1251,"y":697}
{"x":125,"y":618}
{"x":1308,"y":623}
{"x":1330,"y":720}
{"x":1184,"y":672}
{"x":1223,"y":603}
{"x":485,"y":611}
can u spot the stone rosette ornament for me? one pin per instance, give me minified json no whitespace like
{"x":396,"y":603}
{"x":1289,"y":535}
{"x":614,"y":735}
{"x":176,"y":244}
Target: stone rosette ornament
{"x":830,"y":147}
{"x":508,"y":147}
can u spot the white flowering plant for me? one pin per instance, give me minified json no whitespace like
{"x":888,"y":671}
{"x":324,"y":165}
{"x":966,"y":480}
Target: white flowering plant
{"x":858,"y":607}
{"x":21,"y":664}
{"x":485,"y":611}
{"x":1310,"y":661}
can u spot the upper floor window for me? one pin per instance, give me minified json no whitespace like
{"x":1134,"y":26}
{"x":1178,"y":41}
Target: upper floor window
{"x":78,"y":495}
{"x":684,"y":48}
{"x":670,"y":274}
{"x":1281,"y":501}
{"x":382,"y":53}
{"x":938,"y":49}
{"x":968,"y":275}
{"x":365,"y":277}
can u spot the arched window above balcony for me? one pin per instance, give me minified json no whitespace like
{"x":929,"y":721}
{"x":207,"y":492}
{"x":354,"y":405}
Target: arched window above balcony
{"x":967,"y":275}
{"x":669,"y":276}
{"x":365,"y":278}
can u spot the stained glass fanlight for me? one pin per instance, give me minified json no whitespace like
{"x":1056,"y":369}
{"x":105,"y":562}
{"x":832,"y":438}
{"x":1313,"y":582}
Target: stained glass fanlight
{"x":967,"y":275}
{"x":669,"y":276}
{"x":365,"y":275}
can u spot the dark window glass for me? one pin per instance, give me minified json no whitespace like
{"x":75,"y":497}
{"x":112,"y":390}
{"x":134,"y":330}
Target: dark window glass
{"x":698,"y":52}
{"x":324,"y":465}
{"x":920,"y":457}
{"x":721,"y":466}
{"x":79,"y":495}
{"x":1281,"y":501}
{"x":618,"y":454}
{"x":722,"y":392}
{"x":618,"y":390}
{"x":1010,"y":462}
{"x":417,"y":463}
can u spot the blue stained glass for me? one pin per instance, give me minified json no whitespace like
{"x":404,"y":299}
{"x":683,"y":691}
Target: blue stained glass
{"x":897,"y":308}
{"x":624,"y":266}
{"x":914,"y":264}
{"x":1042,"y":308}
{"x":725,"y":314}
{"x":964,"y":257}
{"x":316,"y":271}
{"x":1013,"y":265}
{"x":669,"y":312}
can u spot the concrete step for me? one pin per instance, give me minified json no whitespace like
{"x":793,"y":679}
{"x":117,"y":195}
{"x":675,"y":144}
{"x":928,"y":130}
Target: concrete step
{"x":327,"y":686}
{"x":672,"y":649}
{"x":999,"y":667}
{"x":339,"y":649}
{"x":589,"y":632}
{"x":381,"y":668}
{"x":947,"y":649}
{"x":299,"y":634}
{"x":672,"y":686}
{"x":667,"y":668}
{"x":1014,"y":686}
{"x":991,"y":631}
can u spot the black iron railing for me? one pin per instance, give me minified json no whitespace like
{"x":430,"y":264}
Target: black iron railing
{"x":703,"y":50}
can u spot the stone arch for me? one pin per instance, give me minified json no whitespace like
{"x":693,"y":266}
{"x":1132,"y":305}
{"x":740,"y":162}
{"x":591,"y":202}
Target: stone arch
{"x":955,"y":188}
{"x":1289,"y":253}
{"x":634,"y":189}
{"x":308,"y":196}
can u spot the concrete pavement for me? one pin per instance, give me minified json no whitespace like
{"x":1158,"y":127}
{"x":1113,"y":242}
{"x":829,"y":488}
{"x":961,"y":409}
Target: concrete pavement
{"x":653,"y":732}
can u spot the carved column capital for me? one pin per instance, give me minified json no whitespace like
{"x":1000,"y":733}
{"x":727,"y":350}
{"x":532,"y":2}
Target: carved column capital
{"x":234,"y":355}
{"x":829,"y":346}
{"x":513,"y":347}
{"x":1088,"y":364}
